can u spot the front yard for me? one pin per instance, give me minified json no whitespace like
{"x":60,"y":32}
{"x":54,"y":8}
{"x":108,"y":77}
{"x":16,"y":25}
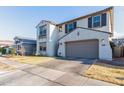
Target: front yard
{"x":30,"y":59}
{"x":101,"y":71}
{"x":106,"y":72}
{"x":5,"y":67}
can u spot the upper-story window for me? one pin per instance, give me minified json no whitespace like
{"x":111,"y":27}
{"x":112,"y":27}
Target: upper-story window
{"x":42,"y":30}
{"x":60,"y":28}
{"x":17,"y":41}
{"x":97,"y":21}
{"x":69,"y":27}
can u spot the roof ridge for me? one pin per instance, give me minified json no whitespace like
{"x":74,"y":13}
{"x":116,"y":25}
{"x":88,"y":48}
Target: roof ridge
{"x":22,"y":37}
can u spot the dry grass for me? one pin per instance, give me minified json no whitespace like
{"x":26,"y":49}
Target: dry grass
{"x":5,"y":67}
{"x":105,"y":72}
{"x":31,"y":59}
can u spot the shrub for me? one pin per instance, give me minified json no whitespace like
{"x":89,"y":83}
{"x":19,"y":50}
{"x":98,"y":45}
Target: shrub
{"x":0,"y":49}
{"x":112,"y":46}
{"x":3,"y":50}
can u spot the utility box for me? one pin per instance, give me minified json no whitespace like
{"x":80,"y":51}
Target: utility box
{"x":118,"y":51}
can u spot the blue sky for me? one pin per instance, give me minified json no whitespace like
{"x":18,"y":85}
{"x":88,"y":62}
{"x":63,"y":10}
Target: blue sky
{"x":21,"y":21}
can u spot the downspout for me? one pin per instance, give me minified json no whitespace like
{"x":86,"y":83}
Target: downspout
{"x":112,"y":20}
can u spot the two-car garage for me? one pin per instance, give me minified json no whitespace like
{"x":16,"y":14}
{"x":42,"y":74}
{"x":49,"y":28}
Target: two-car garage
{"x":82,"y":49}
{"x":87,"y":44}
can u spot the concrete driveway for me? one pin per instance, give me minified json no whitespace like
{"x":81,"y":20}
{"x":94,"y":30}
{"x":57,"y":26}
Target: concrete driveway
{"x":57,"y":72}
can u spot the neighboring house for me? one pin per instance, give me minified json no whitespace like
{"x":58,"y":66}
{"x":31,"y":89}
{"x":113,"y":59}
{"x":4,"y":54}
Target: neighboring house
{"x":84,"y":37}
{"x":7,"y":45}
{"x":25,"y":46}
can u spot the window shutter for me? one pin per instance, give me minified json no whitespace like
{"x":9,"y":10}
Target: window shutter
{"x":75,"y":24}
{"x":103,"y":19}
{"x":66,"y":28}
{"x":90,"y":22}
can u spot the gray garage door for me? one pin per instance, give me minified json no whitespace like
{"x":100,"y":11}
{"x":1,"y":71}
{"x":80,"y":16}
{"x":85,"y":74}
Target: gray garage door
{"x":82,"y":49}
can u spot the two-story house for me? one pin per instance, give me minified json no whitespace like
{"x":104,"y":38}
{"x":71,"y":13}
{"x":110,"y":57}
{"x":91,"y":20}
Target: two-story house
{"x":25,"y":46}
{"x":84,"y":37}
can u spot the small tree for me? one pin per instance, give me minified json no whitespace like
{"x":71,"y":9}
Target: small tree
{"x":3,"y":50}
{"x":0,"y":51}
{"x":112,"y":46}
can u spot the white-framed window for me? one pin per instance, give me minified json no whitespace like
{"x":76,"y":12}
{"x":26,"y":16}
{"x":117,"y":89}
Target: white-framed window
{"x":97,"y":21}
{"x":42,"y":46}
{"x":42,"y":30}
{"x":60,"y":28}
{"x":70,"y":26}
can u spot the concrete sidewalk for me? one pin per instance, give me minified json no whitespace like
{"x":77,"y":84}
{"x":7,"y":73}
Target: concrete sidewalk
{"x":57,"y":74}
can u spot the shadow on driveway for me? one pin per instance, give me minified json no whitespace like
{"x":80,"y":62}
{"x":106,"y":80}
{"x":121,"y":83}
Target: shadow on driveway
{"x":82,"y":61}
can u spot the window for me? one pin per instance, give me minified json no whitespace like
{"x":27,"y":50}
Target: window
{"x":69,"y":27}
{"x":103,"y":19}
{"x":16,"y":42}
{"x":96,"y":21}
{"x":60,"y":28}
{"x":42,"y":30}
{"x":90,"y":22}
{"x":42,"y":48}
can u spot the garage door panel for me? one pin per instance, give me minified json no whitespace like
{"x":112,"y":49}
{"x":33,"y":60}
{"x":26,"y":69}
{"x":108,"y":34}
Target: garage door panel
{"x":82,"y":49}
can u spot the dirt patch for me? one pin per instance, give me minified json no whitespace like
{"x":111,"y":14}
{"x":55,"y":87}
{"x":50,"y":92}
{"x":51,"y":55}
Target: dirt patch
{"x":30,"y":59}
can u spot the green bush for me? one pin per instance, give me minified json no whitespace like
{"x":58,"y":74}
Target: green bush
{"x":0,"y":49}
{"x":3,"y":50}
{"x":112,"y":46}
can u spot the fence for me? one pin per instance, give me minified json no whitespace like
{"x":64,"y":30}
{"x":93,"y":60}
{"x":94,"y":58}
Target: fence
{"x":118,"y":51}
